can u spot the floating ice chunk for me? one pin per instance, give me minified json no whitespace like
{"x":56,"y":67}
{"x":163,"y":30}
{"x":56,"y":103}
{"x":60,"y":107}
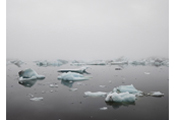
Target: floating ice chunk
{"x":103,"y":108}
{"x":140,"y":62}
{"x":67,"y":83}
{"x":128,"y":88}
{"x":125,"y":97}
{"x":156,"y":94}
{"x":16,"y":62}
{"x":95,"y":94}
{"x":118,"y":68}
{"x":28,"y":77}
{"x":46,"y":63}
{"x":147,"y":73}
{"x":73,"y":76}
{"x":37,"y":99}
{"x":102,"y":86}
{"x":80,"y":70}
{"x":119,"y":63}
{"x":98,"y":62}
{"x":29,"y":74}
{"x":73,"y":89}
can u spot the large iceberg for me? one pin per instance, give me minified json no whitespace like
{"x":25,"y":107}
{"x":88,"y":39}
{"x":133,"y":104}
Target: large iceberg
{"x":29,"y":77}
{"x":125,"y":97}
{"x":80,"y":70}
{"x":72,"y":76}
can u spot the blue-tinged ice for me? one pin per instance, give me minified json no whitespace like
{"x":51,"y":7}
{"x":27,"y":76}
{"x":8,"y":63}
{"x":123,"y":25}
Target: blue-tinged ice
{"x":125,"y":97}
{"x":128,"y":88}
{"x":95,"y":94}
{"x":28,"y":77}
{"x":72,"y":76}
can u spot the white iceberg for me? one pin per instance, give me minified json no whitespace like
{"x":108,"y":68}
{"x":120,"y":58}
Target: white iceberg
{"x":29,"y":74}
{"x":103,"y":108}
{"x":73,"y":76}
{"x":37,"y":99}
{"x":125,"y":97}
{"x":80,"y":70}
{"x":156,"y":94}
{"x":95,"y":94}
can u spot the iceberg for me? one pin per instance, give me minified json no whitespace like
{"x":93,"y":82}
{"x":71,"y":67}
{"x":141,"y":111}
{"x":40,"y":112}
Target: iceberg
{"x":95,"y":94}
{"x":97,"y":62}
{"x":28,"y":77}
{"x":140,"y":62}
{"x":46,"y":63}
{"x":156,"y":94}
{"x":125,"y":97}
{"x":80,"y":70}
{"x":16,"y":62}
{"x":67,"y":83}
{"x":119,"y":63}
{"x":103,"y":108}
{"x":128,"y":88}
{"x":37,"y":99}
{"x":72,"y":76}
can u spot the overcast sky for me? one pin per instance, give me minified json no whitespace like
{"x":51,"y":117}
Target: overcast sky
{"x":86,"y":29}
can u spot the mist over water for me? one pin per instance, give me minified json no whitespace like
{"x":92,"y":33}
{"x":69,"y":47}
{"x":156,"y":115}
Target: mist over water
{"x":43,"y":29}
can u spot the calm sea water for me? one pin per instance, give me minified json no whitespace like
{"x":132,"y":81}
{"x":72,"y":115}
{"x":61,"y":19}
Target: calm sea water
{"x":61,"y":103}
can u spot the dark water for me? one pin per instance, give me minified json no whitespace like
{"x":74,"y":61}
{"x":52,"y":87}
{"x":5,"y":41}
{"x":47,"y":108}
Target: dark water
{"x":62,"y":103}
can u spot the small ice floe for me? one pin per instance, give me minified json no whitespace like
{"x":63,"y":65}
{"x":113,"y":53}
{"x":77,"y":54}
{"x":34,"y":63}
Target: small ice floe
{"x":36,"y":99}
{"x":53,"y":85}
{"x":28,"y":77}
{"x":97,"y":62}
{"x":147,"y":73}
{"x":118,"y":68}
{"x":119,"y":62}
{"x":103,"y":108}
{"x":95,"y":94}
{"x":73,"y":76}
{"x":125,"y":97}
{"x":80,"y":70}
{"x":46,"y":63}
{"x":156,"y":94}
{"x":139,"y":62}
{"x":73,"y":89}
{"x":128,"y":88}
{"x":102,"y":86}
{"x":17,"y":62}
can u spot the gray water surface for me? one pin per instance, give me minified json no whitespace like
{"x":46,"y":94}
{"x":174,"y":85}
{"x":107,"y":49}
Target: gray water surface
{"x":60,"y":102}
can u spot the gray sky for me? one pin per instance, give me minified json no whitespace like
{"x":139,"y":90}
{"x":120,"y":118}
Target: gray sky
{"x":86,"y":29}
